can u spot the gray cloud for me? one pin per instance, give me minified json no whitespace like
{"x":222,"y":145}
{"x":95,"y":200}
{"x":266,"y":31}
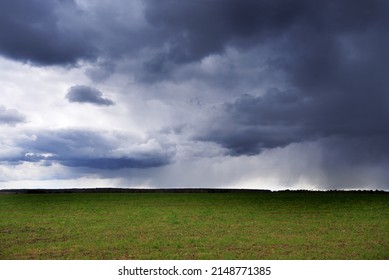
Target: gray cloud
{"x":10,"y":116}
{"x":88,"y":149}
{"x":196,"y":29}
{"x":254,"y":123}
{"x":332,"y":55}
{"x":61,"y":31}
{"x":271,"y":73}
{"x":85,"y":94}
{"x":42,"y":33}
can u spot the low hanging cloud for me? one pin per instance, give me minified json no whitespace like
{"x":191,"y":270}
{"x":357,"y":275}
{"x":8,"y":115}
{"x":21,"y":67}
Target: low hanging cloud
{"x":10,"y":116}
{"x":99,"y":150}
{"x":86,"y":94}
{"x":251,"y":124}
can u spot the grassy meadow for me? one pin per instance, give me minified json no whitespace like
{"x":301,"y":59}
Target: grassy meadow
{"x":278,"y":225}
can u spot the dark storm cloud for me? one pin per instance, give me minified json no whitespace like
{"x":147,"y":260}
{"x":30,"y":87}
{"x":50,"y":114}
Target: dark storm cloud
{"x":61,"y":32}
{"x":41,"y":33}
{"x":331,"y":54}
{"x":254,"y":123}
{"x":89,"y":149}
{"x":10,"y":116}
{"x":85,"y":94}
{"x":195,"y":29}
{"x":177,"y":32}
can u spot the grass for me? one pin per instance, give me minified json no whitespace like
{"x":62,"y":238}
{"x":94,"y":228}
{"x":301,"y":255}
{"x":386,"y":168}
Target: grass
{"x":282,"y":225}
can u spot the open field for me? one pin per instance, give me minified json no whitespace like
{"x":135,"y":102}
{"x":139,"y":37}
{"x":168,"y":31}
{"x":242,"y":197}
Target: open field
{"x":278,"y":225}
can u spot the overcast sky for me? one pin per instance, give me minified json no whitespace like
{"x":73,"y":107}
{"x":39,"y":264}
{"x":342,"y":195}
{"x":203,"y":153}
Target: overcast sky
{"x":206,"y":93}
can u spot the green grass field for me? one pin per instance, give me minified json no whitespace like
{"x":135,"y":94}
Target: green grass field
{"x":281,"y":225}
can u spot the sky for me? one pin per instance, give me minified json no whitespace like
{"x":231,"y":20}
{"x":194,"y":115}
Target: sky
{"x":269,"y":94}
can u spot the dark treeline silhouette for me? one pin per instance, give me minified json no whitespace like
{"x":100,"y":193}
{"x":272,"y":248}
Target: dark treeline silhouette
{"x":177,"y":190}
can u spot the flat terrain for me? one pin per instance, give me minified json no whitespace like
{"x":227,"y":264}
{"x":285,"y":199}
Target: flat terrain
{"x":279,"y":225}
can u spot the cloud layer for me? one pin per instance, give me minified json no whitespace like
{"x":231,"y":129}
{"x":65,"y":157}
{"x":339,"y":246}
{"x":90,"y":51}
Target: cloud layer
{"x":90,"y":149}
{"x":200,"y":81}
